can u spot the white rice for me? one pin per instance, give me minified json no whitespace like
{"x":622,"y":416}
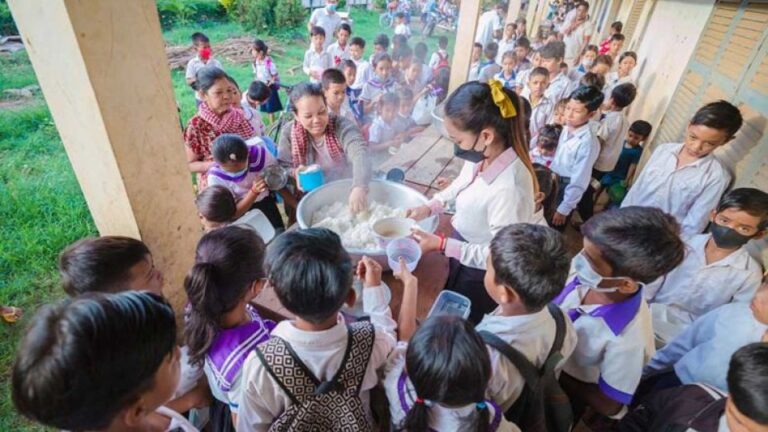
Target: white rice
{"x":356,"y":231}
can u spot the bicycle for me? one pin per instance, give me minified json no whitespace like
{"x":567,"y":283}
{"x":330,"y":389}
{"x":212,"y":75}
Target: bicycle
{"x":275,"y":128}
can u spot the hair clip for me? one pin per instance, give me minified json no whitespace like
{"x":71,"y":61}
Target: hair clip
{"x":425,"y":402}
{"x":233,"y":156}
{"x":501,"y":99}
{"x":481,"y":405}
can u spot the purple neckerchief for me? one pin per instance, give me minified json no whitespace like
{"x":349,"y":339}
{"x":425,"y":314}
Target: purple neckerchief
{"x":257,"y":158}
{"x":231,"y":347}
{"x":616,"y":315}
{"x":375,"y":82}
{"x":401,"y":384}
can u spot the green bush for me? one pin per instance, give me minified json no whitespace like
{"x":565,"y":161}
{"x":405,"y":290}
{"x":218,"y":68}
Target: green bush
{"x":7,"y":26}
{"x":289,"y":14}
{"x":380,"y":4}
{"x":269,"y":16}
{"x":182,"y":12}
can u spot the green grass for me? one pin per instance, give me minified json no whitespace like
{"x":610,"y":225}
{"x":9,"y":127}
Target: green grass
{"x":42,"y":208}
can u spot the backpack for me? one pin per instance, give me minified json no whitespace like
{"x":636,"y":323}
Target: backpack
{"x":441,"y":64}
{"x":543,"y":406}
{"x":321,"y":406}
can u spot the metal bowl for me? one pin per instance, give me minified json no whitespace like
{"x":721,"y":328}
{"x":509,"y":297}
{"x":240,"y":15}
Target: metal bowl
{"x":395,"y":195}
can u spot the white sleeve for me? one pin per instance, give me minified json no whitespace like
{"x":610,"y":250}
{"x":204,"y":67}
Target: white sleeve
{"x":374,"y":133}
{"x":259,"y":403}
{"x":621,"y":369}
{"x":376,"y":306}
{"x":456,"y":185}
{"x":633,"y":195}
{"x":697,"y":216}
{"x":746,"y":291}
{"x":313,"y":18}
{"x":695,"y":334}
{"x":307,"y":65}
{"x":366,"y":95}
{"x":434,"y":60}
{"x":580,"y":177}
{"x":189,"y":73}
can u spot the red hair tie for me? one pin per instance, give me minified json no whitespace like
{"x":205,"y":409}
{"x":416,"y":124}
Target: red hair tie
{"x":419,"y":400}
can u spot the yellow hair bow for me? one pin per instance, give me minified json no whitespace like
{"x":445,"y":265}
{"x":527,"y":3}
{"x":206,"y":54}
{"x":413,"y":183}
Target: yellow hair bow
{"x":501,"y":99}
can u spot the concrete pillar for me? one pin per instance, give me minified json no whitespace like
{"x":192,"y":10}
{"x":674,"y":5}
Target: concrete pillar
{"x":469,"y":12}
{"x":513,"y":10}
{"x":102,"y":68}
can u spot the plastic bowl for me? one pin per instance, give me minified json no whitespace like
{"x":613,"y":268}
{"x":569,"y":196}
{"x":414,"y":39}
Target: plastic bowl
{"x":407,"y":248}
{"x":392,"y":228}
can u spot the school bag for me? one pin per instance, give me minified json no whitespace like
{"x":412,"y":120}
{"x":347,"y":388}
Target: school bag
{"x":692,"y":407}
{"x":543,"y":406}
{"x":321,"y":406}
{"x":442,"y":63}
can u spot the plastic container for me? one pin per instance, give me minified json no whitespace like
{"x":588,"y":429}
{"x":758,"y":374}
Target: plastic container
{"x":256,"y":220}
{"x":407,"y":248}
{"x":311,"y":178}
{"x":451,"y":303}
{"x":392,"y":228}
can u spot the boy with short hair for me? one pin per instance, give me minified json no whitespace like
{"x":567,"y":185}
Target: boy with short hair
{"x":203,"y":58}
{"x":349,"y":68}
{"x":623,"y":249}
{"x":335,"y":91}
{"x":526,"y":269}
{"x":631,"y":151}
{"x":487,"y":68}
{"x":257,"y":94}
{"x":401,"y":26}
{"x":439,"y":58}
{"x":316,"y":59}
{"x":380,"y":45}
{"x":616,"y":27}
{"x":507,"y":41}
{"x":339,"y":50}
{"x":541,"y":105}
{"x":551,"y":56}
{"x":522,"y":50}
{"x":356,"y":51}
{"x":615,"y":46}
{"x":474,"y":67}
{"x":613,"y":128}
{"x":312,"y":277}
{"x":718,"y":268}
{"x":685,"y":179}
{"x":522,"y":76}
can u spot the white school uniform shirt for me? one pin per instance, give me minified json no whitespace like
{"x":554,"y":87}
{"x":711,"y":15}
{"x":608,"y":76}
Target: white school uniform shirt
{"x":329,"y":22}
{"x":688,"y":193}
{"x":613,"y":129}
{"x":540,"y":219}
{"x":263,"y":400}
{"x":374,"y":87}
{"x":702,"y":352}
{"x":612,"y":80}
{"x":178,"y":421}
{"x":576,"y":154}
{"x":485,"y":203}
{"x":489,"y":22}
{"x":694,"y":287}
{"x":540,"y":116}
{"x":558,"y":88}
{"x":264,"y":70}
{"x":435,"y":59}
{"x":575,"y":42}
{"x":474,"y":71}
{"x":402,"y":396}
{"x":195,"y":64}
{"x":362,"y":75}
{"x":615,"y":341}
{"x":314,"y":60}
{"x":253,"y":115}
{"x":338,"y":53}
{"x":403,"y":29}
{"x":532,"y":335}
{"x":504,"y":46}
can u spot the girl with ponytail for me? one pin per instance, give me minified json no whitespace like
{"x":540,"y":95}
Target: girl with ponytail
{"x":495,"y":188}
{"x":438,"y":382}
{"x":222,"y":327}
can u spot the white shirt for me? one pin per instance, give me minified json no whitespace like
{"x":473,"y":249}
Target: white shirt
{"x":195,"y":64}
{"x":612,"y":80}
{"x":253,"y":115}
{"x":504,"y":46}
{"x":441,"y":418}
{"x":575,"y":41}
{"x":264,"y":70}
{"x":532,"y":335}
{"x":558,"y":88}
{"x":362,"y":74}
{"x":316,"y":61}
{"x":540,"y":115}
{"x":615,"y":341}
{"x":435,"y":59}
{"x":522,"y":79}
{"x":372,"y":89}
{"x":485,"y":203}
{"x":489,"y":22}
{"x":329,"y":22}
{"x":263,"y":158}
{"x":576,"y":154}
{"x":337,"y":53}
{"x":696,"y":287}
{"x":612,"y":131}
{"x":262,"y":399}
{"x":688,"y":193}
{"x":403,"y":29}
{"x":702,"y":352}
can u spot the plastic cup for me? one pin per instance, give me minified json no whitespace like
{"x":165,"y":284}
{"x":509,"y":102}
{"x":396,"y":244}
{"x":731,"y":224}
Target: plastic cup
{"x":407,"y":248}
{"x":311,"y":178}
{"x":392,"y":228}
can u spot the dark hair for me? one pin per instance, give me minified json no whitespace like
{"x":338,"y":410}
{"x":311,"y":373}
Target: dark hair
{"x":618,"y":37}
{"x":641,"y":127}
{"x":348,"y":64}
{"x":592,"y":48}
{"x":590,"y":96}
{"x":217,"y":204}
{"x":380,"y":57}
{"x":552,"y":50}
{"x":592,"y":79}
{"x":626,"y":54}
{"x":399,"y":40}
{"x":403,"y":51}
{"x":399,"y":15}
{"x":420,"y":50}
{"x":509,"y":54}
{"x":442,"y":42}
{"x":748,"y":381}
{"x":721,"y":115}
{"x":405,"y":93}
{"x":332,"y":76}
{"x":448,"y":363}
{"x":344,"y":26}
{"x":532,"y":260}
{"x":539,"y":71}
{"x":549,"y":186}
{"x":305,"y":89}
{"x":260,"y":45}
{"x":491,"y":50}
{"x":563,"y":65}
{"x":198,"y":37}
{"x":83,"y":360}
{"x":100,"y":264}
{"x":618,"y":26}
{"x":749,"y":200}
{"x":582,"y":3}
{"x":229,"y":148}
{"x":357,"y":40}
{"x":549,"y":136}
{"x":471,"y":107}
{"x":478,"y":45}
{"x":642,"y":243}
{"x":561,"y":103}
{"x":382,"y":40}
{"x":227,"y":263}
{"x":390,"y":98}
{"x":623,"y":94}
{"x":310,"y":272}
{"x":317,"y":31}
{"x":233,"y":82}
{"x":259,"y":91}
{"x":523,"y":42}
{"x":207,"y":76}
{"x":604,"y":59}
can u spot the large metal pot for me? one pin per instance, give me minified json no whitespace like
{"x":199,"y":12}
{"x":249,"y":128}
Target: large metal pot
{"x":395,"y":195}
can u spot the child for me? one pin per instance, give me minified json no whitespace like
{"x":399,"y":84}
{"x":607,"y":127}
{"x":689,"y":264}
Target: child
{"x":547,"y":195}
{"x":257,"y":95}
{"x":576,"y":154}
{"x":507,"y":75}
{"x":401,"y":26}
{"x":203,"y":58}
{"x":626,"y":64}
{"x":615,"y":46}
{"x":488,"y":68}
{"x":616,"y":28}
{"x":339,"y":50}
{"x":412,"y":79}
{"x":102,"y":362}
{"x":551,"y":56}
{"x":686,"y":180}
{"x":405,"y":110}
{"x":613,"y":128}
{"x":398,"y":41}
{"x":381,"y":82}
{"x":335,"y":90}
{"x":353,"y":103}
{"x":402,"y":59}
{"x":316,"y":59}
{"x":541,"y":106}
{"x":718,"y":268}
{"x":238,"y":167}
{"x":312,"y":276}
{"x":223,"y":328}
{"x":440,"y":58}
{"x":631,"y":151}
{"x":522,"y":76}
{"x":380,"y":46}
{"x":546,"y":145}
{"x":585,"y":65}
{"x":420,"y":56}
{"x":558,"y":112}
{"x":474,"y":67}
{"x":602,"y":65}
{"x":356,"y":50}
{"x":507,"y":41}
{"x":700,"y":353}
{"x":387,"y":132}
{"x":623,"y":249}
{"x":527,"y":268}
{"x":265,"y":70}
{"x":216,"y":207}
{"x":522,"y":50}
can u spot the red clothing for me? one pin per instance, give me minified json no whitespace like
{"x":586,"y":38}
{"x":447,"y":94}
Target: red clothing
{"x":605,"y":46}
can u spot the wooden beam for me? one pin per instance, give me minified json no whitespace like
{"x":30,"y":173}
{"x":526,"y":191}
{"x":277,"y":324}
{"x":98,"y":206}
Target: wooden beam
{"x":513,"y":10}
{"x":102,"y":68}
{"x":469,"y":12}
{"x":532,"y":23}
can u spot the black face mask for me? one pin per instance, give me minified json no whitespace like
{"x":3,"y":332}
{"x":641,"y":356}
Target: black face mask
{"x":726,"y":237}
{"x":470,"y":155}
